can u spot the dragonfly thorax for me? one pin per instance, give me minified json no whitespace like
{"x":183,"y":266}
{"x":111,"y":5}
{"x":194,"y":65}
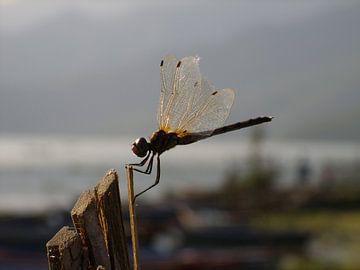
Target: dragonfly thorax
{"x":162,"y":141}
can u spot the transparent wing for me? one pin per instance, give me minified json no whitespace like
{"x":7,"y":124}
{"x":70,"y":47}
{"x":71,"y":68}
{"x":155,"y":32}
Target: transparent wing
{"x":188,"y":103}
{"x":181,"y":81}
{"x":167,"y":80}
{"x":209,"y":111}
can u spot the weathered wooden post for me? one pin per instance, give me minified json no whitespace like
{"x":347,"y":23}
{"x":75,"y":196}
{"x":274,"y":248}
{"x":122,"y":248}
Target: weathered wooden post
{"x":65,"y":251}
{"x":98,"y":240}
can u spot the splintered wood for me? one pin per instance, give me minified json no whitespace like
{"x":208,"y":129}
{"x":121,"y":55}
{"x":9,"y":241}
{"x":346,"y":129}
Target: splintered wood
{"x":97,"y":218}
{"x":110,"y":217}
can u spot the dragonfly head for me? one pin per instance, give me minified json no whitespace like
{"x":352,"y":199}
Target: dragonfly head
{"x":140,"y":147}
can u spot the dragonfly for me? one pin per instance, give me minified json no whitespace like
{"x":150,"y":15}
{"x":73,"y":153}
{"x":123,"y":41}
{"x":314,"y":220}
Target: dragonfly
{"x":190,"y":110}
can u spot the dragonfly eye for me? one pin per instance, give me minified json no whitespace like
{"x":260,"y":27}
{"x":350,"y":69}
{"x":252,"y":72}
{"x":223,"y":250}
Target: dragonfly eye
{"x":140,"y":147}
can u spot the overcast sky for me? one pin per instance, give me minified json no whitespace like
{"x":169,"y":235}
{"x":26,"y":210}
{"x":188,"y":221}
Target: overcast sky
{"x":93,"y":67}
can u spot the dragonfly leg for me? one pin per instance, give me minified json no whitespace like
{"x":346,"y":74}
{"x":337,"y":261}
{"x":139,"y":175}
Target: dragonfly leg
{"x":148,"y":169}
{"x":143,"y":162}
{"x":157,"y":180}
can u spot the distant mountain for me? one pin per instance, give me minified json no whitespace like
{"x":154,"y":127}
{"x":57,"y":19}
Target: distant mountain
{"x":77,"y":73}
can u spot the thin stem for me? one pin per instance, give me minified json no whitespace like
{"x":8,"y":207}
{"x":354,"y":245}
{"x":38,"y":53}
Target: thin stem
{"x":132,"y":214}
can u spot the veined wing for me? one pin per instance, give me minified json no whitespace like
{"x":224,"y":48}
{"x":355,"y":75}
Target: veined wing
{"x":210,"y":111}
{"x":167,"y":81}
{"x":180,"y":82}
{"x":188,"y":103}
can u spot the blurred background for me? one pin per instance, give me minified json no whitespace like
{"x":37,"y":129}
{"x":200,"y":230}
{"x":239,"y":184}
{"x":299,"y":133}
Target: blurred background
{"x":79,"y":82}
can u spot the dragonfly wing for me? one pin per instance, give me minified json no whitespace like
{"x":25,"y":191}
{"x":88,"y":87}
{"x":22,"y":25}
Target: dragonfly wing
{"x":181,"y":85}
{"x":167,"y":77}
{"x":209,"y":111}
{"x":188,"y":102}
